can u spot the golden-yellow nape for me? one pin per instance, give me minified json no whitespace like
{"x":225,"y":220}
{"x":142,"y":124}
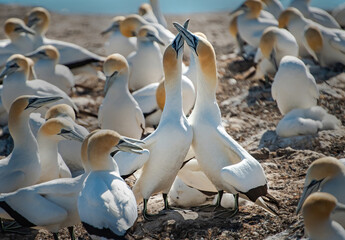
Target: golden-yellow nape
{"x":170,"y":62}
{"x":322,"y":168}
{"x":53,"y":126}
{"x":317,"y":208}
{"x":51,"y":52}
{"x":21,"y":61}
{"x":313,"y":38}
{"x":40,"y":18}
{"x":160,"y":95}
{"x":286,"y":16}
{"x":115,"y":62}
{"x":207,"y":59}
{"x":84,"y":146}
{"x":267,"y":41}
{"x":144,"y":9}
{"x":130,"y":25}
{"x":11,"y":24}
{"x":200,"y":34}
{"x":255,"y":6}
{"x":60,"y":110}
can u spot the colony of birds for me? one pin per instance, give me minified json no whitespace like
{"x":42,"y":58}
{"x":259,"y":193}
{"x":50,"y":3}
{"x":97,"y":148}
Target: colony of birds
{"x":59,"y":174}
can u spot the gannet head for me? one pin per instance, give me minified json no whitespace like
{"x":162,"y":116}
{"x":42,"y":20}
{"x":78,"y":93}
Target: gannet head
{"x":129,"y":27}
{"x":115,"y":25}
{"x":254,"y":7}
{"x":149,"y":33}
{"x":317,"y":209}
{"x":144,"y":9}
{"x":60,"y":110}
{"x":84,"y":155}
{"x":287,"y":15}
{"x":267,"y":43}
{"x":60,"y":129}
{"x":313,"y":38}
{"x":16,"y":62}
{"x":13,"y":27}
{"x":45,"y":52}
{"x":38,"y":19}
{"x":113,"y":66}
{"x":319,"y":172}
{"x":102,"y":143}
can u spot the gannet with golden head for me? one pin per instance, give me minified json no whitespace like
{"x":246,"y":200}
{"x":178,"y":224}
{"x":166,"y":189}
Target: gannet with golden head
{"x":223,"y":160}
{"x":293,"y":86}
{"x":71,"y":55}
{"x":143,"y":72}
{"x":145,"y":10}
{"x":22,"y":167}
{"x":119,"y":111}
{"x":325,"y":175}
{"x":170,"y":142}
{"x":316,"y":211}
{"x":16,"y":74}
{"x":326,"y":45}
{"x":275,"y":7}
{"x":117,"y":43}
{"x":315,"y":14}
{"x":46,"y":67}
{"x":106,"y":205}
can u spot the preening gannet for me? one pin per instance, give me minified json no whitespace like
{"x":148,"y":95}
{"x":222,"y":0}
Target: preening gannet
{"x":293,"y":86}
{"x":119,"y":111}
{"x":275,"y":7}
{"x":223,"y":160}
{"x":170,"y":142}
{"x":325,"y":175}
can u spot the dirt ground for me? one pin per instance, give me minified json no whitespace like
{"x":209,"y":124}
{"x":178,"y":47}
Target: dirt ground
{"x":250,"y":116}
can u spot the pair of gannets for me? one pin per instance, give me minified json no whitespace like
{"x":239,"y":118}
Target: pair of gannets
{"x":16,"y":83}
{"x":119,"y":111}
{"x":223,"y":160}
{"x":294,"y":86}
{"x":275,"y":43}
{"x":315,"y":14}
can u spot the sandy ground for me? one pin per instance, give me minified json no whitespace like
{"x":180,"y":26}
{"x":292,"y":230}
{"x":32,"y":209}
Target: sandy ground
{"x":250,"y":116}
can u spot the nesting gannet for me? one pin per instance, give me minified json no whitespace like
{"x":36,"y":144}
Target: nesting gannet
{"x":15,"y":83}
{"x":306,"y":121}
{"x":327,"y":46}
{"x":315,"y":14}
{"x":170,"y":142}
{"x":71,"y":54}
{"x":316,"y":212}
{"x":158,"y":13}
{"x":275,"y":7}
{"x":223,"y":160}
{"x":117,"y":43}
{"x":275,"y":43}
{"x":22,"y":167}
{"x":293,"y":86}
{"x":143,"y":72}
{"x":251,"y":25}
{"x":145,"y":10}
{"x":47,"y":68}
{"x":339,"y":14}
{"x":325,"y":175}
{"x":106,"y":205}
{"x":119,"y":111}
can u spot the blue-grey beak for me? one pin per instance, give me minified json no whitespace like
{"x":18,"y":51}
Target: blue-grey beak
{"x":191,"y":39}
{"x":71,"y":135}
{"x":178,"y":42}
{"x":37,"y":102}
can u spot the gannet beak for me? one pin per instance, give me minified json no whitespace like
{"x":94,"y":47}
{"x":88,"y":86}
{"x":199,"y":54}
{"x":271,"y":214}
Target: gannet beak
{"x":35,"y":54}
{"x":32,"y":21}
{"x":127,"y":146}
{"x":178,"y":42}
{"x":261,"y":202}
{"x":28,"y":30}
{"x":133,"y":140}
{"x":155,"y":38}
{"x":71,"y":135}
{"x":109,"y":29}
{"x":8,"y":70}
{"x":191,"y":39}
{"x":37,"y":102}
{"x":339,"y":208}
{"x":312,"y":187}
{"x":109,"y":81}
{"x":240,"y":8}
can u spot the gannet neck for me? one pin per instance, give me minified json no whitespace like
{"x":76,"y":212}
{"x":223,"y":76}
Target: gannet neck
{"x":158,"y":13}
{"x":314,"y":39}
{"x":119,"y":86}
{"x":268,"y":42}
{"x":233,"y":27}
{"x":255,"y":7}
{"x":48,"y":153}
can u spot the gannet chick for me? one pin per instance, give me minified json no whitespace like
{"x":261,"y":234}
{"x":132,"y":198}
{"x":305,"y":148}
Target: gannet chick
{"x":327,"y":46}
{"x":15,"y":83}
{"x":316,"y":211}
{"x":223,"y":160}
{"x":71,"y":54}
{"x":46,"y":67}
{"x":119,"y":111}
{"x":144,"y":72}
{"x":339,"y":14}
{"x":106,"y":205}
{"x":275,"y":43}
{"x":275,"y":7}
{"x":165,"y":161}
{"x":117,"y":43}
{"x":315,"y":14}
{"x":158,"y":13}
{"x":22,"y":167}
{"x":145,"y":10}
{"x":325,"y":175}
{"x":293,"y":86}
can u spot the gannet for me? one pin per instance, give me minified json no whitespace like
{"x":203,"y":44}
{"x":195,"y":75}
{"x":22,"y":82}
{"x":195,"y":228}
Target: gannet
{"x":339,"y":14}
{"x":233,"y":30}
{"x":315,"y":14}
{"x":325,"y":175}
{"x":143,"y":72}
{"x":15,"y":83}
{"x":316,"y":212}
{"x":145,"y":10}
{"x":275,"y":7}
{"x":48,"y":137}
{"x":46,"y":67}
{"x":327,"y":46}
{"x":119,"y":111}
{"x":22,"y":167}
{"x":275,"y":43}
{"x":158,"y":13}
{"x":160,"y":170}
{"x":223,"y":160}
{"x":71,"y":54}
{"x":251,"y":25}
{"x":293,"y":86}
{"x":117,"y":43}
{"x":106,"y":205}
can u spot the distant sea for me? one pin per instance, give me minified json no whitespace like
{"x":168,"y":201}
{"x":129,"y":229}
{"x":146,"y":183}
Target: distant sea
{"x":111,"y":7}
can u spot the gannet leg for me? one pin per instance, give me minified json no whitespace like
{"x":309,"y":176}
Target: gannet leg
{"x":233,"y":211}
{"x":56,"y":236}
{"x":71,"y":232}
{"x":166,"y":203}
{"x":10,"y":227}
{"x":146,"y":215}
